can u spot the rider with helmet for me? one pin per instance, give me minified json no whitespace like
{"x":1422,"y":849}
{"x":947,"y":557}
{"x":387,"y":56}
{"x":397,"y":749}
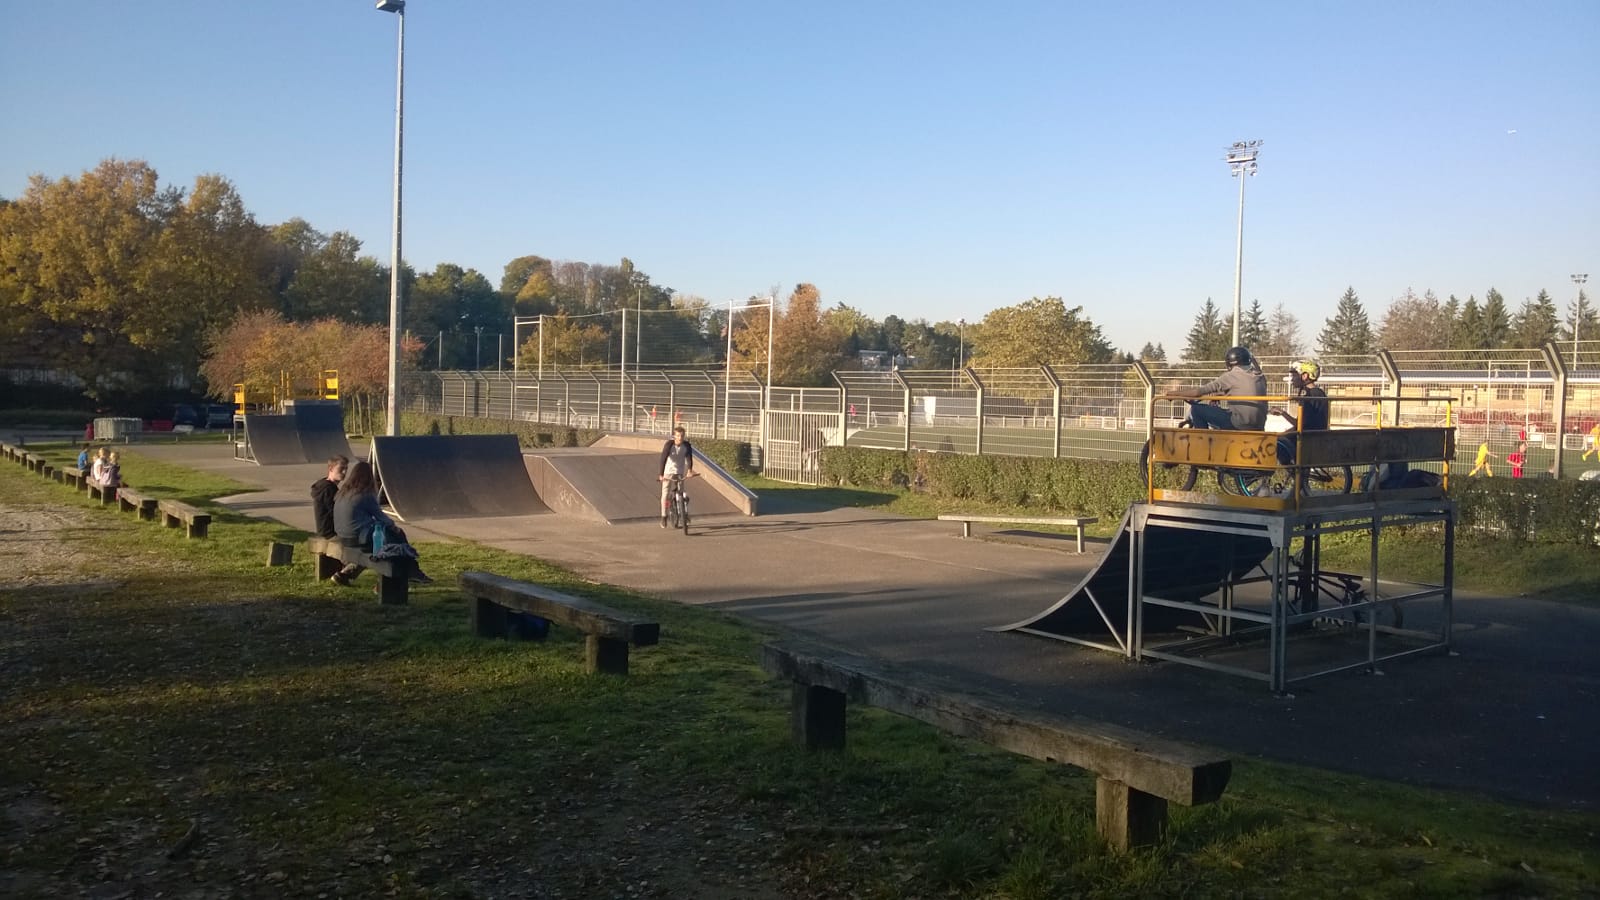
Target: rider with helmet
{"x":1242,"y":379}
{"x":1310,"y":405}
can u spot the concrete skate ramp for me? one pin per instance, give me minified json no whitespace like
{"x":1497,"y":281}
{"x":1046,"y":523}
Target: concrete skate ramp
{"x":612,"y":485}
{"x":311,"y":431}
{"x":455,"y":476}
{"x":1180,"y":564}
{"x":711,"y":475}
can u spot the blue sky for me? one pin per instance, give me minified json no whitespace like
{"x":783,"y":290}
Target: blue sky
{"x":925,"y":159}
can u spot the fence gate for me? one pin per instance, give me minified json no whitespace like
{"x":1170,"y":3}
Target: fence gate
{"x":794,"y":445}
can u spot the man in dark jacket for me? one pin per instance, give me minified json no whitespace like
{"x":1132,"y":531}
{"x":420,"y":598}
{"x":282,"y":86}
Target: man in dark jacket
{"x":322,"y":494}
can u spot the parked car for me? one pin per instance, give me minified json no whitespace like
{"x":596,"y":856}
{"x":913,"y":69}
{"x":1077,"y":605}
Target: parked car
{"x":188,"y":414}
{"x":219,"y":415}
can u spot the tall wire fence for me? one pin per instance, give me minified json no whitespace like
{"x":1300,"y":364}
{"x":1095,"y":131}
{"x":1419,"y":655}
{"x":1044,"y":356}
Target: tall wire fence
{"x":1519,"y":404}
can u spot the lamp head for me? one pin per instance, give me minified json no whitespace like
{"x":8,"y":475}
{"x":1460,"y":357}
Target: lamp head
{"x":394,"y":6}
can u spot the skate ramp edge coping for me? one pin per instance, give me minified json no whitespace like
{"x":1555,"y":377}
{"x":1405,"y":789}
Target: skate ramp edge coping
{"x":715,"y":477}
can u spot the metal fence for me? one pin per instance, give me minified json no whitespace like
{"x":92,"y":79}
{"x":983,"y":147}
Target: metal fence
{"x":1534,"y":403}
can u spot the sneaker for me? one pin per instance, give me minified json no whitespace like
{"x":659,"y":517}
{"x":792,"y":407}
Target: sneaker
{"x":421,"y":577}
{"x":663,"y":521}
{"x":341,"y":579}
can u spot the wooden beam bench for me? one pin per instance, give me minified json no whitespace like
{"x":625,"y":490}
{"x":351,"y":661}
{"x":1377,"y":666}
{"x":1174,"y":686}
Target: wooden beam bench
{"x":75,"y":477}
{"x":103,"y":495}
{"x":1138,"y":774}
{"x":10,"y":451}
{"x":130,"y":500}
{"x":37,"y":464}
{"x":175,"y":512}
{"x":1076,"y":522}
{"x":332,"y":554}
{"x":608,"y":632}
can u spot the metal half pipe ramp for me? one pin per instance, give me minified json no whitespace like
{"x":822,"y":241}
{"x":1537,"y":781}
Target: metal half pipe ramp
{"x":455,"y":476}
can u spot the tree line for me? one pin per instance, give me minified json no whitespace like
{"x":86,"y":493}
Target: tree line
{"x":1410,"y":322}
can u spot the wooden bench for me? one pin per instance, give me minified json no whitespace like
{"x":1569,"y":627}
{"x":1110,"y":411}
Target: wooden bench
{"x":37,"y":464}
{"x":104,"y":495}
{"x":173,"y":512}
{"x":1067,"y":522}
{"x":331,"y":555}
{"x":608,"y":632}
{"x":130,"y":500}
{"x":75,"y":477}
{"x":1138,"y":773}
{"x":9,"y":451}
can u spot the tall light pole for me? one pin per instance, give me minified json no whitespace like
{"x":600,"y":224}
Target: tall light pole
{"x":392,"y":409}
{"x":1242,"y":161}
{"x":961,"y":344}
{"x":479,"y":330}
{"x":1577,"y":316}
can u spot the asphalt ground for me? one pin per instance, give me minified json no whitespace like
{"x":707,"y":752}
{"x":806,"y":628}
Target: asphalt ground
{"x":1512,"y":713}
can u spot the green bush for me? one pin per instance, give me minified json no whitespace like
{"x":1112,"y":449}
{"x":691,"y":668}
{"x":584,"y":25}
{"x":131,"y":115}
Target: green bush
{"x":1080,"y":486}
{"x":732,"y":456}
{"x":1530,"y":510}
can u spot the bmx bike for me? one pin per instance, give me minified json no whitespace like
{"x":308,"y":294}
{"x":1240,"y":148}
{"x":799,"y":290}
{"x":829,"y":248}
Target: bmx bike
{"x":1247,"y":482}
{"x":677,"y":504}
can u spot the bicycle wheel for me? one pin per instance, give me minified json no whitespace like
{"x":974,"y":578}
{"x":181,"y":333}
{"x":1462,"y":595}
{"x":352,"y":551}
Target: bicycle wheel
{"x":674,"y":515}
{"x":1177,"y":476}
{"x":686,"y":518}
{"x":1244,"y":484}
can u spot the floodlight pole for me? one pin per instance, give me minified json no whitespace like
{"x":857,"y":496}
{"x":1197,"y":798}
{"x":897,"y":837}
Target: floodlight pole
{"x":1242,"y":162}
{"x":1577,"y":316}
{"x":392,"y":408}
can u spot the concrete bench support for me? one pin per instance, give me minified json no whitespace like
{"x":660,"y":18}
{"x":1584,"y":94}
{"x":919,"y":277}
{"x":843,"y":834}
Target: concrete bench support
{"x":609,"y":633}
{"x":1138,"y":774}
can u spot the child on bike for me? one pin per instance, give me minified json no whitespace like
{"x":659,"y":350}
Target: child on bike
{"x":677,"y":459}
{"x":1310,"y":406}
{"x":1243,"y":379}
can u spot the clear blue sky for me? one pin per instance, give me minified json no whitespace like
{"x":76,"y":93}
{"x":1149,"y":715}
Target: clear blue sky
{"x":925,"y":159}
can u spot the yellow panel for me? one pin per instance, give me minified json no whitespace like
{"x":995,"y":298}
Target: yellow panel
{"x":1212,"y":447}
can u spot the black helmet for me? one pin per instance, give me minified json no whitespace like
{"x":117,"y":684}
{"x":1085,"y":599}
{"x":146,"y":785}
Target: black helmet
{"x":1236,"y":356}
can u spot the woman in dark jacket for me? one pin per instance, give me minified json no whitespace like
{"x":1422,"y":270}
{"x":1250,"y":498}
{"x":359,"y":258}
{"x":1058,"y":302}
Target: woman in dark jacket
{"x":356,"y":513}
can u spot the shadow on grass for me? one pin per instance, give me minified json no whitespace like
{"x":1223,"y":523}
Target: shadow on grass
{"x":797,"y":499}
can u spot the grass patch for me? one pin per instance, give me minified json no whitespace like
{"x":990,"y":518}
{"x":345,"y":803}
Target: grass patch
{"x":319,"y":743}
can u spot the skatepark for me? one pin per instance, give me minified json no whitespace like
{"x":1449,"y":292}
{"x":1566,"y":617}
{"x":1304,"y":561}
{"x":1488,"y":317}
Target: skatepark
{"x":1508,"y":713}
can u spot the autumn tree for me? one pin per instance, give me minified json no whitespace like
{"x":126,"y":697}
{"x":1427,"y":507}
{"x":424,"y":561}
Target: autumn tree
{"x":1040,"y":331}
{"x":1209,"y":336}
{"x":806,"y":343}
{"x":336,"y":281}
{"x":567,"y":342}
{"x":1348,"y":332}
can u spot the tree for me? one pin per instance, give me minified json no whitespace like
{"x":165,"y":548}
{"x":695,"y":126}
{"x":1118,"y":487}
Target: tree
{"x":1496,"y":320}
{"x":1536,"y":323}
{"x":1152,"y":353}
{"x":1253,"y":332}
{"x":1469,"y":333}
{"x":1283,"y":334}
{"x":566,"y":343}
{"x":1208,"y":337}
{"x":337,"y":282}
{"x":806,"y":344}
{"x":455,"y":301}
{"x":1040,"y":331}
{"x":1347,"y":333}
{"x":1413,"y":323}
{"x":1585,"y":327}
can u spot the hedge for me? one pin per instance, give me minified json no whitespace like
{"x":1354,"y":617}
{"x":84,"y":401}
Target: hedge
{"x":1540,"y":510}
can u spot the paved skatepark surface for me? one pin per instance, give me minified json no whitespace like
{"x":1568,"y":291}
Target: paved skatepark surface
{"x":1512,"y":714}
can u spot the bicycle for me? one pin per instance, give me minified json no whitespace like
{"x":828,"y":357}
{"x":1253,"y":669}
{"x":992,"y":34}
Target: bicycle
{"x":677,"y":503}
{"x":1247,"y":482}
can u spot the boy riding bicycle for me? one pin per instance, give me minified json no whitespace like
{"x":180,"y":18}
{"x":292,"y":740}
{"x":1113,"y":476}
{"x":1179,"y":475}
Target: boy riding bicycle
{"x":677,"y":460}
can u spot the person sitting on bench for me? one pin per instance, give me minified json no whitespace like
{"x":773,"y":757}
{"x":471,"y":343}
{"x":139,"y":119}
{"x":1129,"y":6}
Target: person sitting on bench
{"x":357,"y":515}
{"x":323,"y":492}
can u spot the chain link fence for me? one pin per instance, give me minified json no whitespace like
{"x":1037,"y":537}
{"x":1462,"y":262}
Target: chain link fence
{"x":1525,"y":405}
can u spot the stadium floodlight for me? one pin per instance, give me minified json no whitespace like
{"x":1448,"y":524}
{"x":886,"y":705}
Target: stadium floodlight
{"x":392,"y":409}
{"x":1577,"y":316}
{"x":1241,"y":161}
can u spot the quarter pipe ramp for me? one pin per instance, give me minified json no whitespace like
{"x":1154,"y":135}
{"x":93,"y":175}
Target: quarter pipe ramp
{"x":612,"y":485}
{"x":308,"y":432}
{"x":1180,"y":564}
{"x":455,"y":476}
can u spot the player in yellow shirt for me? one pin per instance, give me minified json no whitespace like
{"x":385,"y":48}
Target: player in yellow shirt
{"x":1593,"y":442}
{"x":1483,"y":461}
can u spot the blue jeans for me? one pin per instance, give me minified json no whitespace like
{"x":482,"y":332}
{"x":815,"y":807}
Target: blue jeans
{"x":1204,"y":415}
